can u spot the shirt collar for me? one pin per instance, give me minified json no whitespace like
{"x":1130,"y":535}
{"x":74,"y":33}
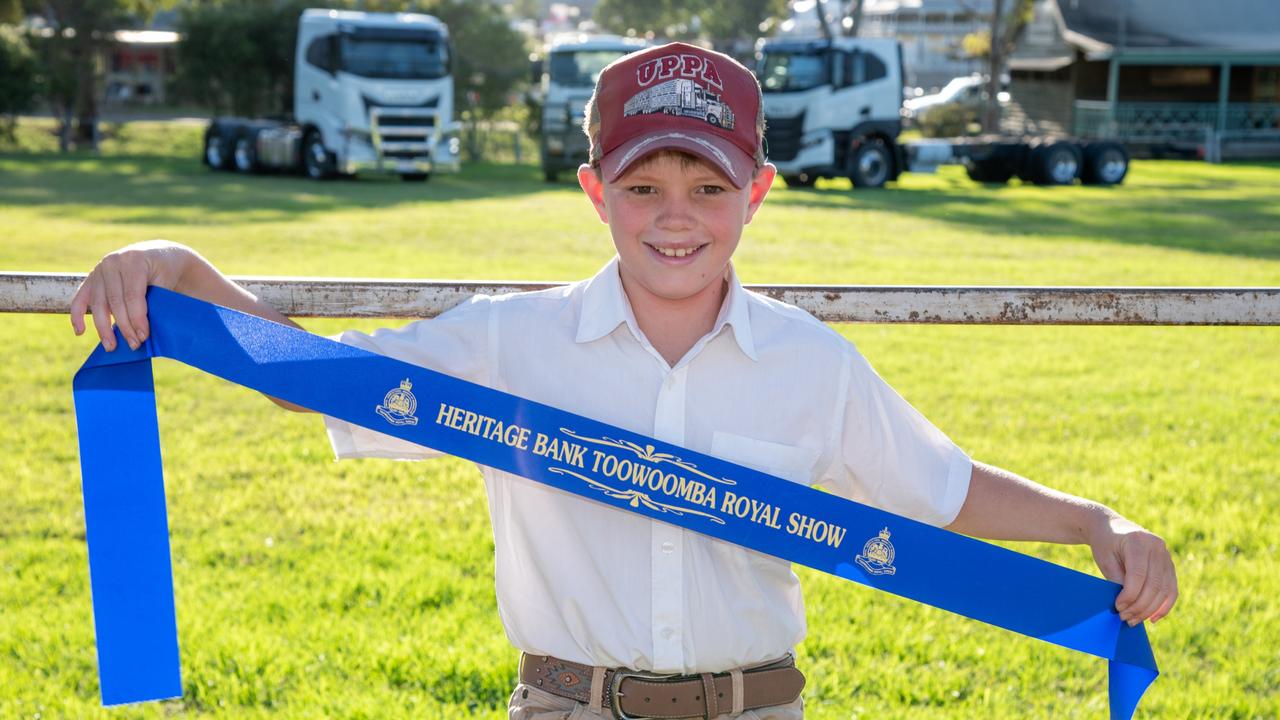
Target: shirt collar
{"x":605,"y":307}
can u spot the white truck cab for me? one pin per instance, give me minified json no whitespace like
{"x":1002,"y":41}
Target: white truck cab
{"x":372,"y":91}
{"x":832,"y":107}
{"x":573,"y":62}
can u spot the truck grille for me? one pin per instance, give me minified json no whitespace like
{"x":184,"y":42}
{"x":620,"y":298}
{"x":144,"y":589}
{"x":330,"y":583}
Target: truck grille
{"x":782,"y":137}
{"x":401,"y":132}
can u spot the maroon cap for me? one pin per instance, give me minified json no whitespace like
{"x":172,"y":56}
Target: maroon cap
{"x":678,"y":97}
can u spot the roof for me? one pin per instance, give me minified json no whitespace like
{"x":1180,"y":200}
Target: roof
{"x":1099,"y":26}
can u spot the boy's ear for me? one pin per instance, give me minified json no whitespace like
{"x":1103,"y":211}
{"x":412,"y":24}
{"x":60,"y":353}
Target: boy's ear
{"x":760,"y":185}
{"x":593,"y":186}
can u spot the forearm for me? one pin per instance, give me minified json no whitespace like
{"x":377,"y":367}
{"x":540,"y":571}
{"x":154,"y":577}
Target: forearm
{"x":1004,"y":506}
{"x":198,"y":278}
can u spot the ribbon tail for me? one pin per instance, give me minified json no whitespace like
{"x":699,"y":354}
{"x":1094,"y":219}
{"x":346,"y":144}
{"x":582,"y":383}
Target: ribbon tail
{"x":1131,"y":671}
{"x":126,"y":528}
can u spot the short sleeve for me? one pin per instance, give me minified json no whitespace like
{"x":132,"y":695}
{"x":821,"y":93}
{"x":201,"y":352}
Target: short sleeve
{"x":890,"y":456}
{"x":456,"y":343}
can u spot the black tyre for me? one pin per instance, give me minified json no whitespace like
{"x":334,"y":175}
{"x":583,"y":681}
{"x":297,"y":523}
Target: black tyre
{"x":801,"y":180}
{"x":715,"y":121}
{"x":1056,"y":163}
{"x":217,"y":149}
{"x":550,"y":175}
{"x":1105,"y":163}
{"x":316,"y":160}
{"x":245,"y":154}
{"x":871,"y":164}
{"x":415,"y":177}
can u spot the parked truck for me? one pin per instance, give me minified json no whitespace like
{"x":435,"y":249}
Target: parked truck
{"x":833,"y":108}
{"x":371,"y":92}
{"x":563,"y":81}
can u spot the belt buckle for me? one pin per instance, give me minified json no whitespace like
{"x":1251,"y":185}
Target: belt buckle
{"x":616,"y":683}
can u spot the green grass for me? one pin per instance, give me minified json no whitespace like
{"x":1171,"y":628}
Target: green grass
{"x":312,"y":589}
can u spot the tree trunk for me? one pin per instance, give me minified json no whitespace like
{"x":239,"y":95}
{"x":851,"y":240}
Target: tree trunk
{"x":86,"y":134}
{"x":855,"y":15}
{"x":991,"y":118}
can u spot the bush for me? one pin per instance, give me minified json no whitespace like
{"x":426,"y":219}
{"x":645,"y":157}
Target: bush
{"x":19,"y":80}
{"x":947,"y":121}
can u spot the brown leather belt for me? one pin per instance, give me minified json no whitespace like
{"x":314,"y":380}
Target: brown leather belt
{"x":632,"y":694}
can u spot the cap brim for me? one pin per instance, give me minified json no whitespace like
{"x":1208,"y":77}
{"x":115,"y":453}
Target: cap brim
{"x":728,"y":158}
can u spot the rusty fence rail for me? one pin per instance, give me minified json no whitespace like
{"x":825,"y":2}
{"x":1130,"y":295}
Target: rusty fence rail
{"x":33,"y":292}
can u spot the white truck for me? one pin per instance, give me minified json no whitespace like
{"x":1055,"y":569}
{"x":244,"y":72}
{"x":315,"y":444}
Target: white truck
{"x":563,"y":86}
{"x":371,"y":92}
{"x":833,"y":108}
{"x":681,"y":97}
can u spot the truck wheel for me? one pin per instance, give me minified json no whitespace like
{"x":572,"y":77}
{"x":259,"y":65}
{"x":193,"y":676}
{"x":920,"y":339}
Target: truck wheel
{"x":871,"y":165}
{"x":217,"y":151}
{"x":1056,"y":164}
{"x":1105,"y":163}
{"x":245,"y":156}
{"x":317,"y":161}
{"x":715,"y":121}
{"x":550,"y":175}
{"x":415,"y":177}
{"x":802,"y":180}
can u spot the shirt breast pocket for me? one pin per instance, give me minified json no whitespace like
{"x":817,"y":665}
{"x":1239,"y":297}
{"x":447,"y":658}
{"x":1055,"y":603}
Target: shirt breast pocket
{"x":789,"y":462}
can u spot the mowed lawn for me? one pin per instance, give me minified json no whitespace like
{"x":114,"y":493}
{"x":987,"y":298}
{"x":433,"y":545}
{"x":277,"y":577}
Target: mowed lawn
{"x":363,"y":589}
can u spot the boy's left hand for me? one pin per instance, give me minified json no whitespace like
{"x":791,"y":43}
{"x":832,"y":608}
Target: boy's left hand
{"x":1139,"y":560}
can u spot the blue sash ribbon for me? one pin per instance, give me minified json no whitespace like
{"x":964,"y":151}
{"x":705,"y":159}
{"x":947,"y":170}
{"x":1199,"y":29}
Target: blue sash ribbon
{"x":127,"y":529}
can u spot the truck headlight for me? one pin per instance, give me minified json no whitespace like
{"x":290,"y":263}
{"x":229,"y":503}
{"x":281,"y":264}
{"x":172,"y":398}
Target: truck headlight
{"x":455,"y":146}
{"x":555,"y":144}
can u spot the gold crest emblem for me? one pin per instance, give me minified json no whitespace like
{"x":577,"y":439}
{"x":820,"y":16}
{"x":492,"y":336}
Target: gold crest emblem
{"x":877,"y":555}
{"x":399,"y":405}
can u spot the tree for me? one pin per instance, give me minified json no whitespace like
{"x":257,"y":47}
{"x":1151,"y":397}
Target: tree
{"x":18,"y":80}
{"x":995,"y":44}
{"x":237,"y":56}
{"x":10,"y":12}
{"x":79,"y":32}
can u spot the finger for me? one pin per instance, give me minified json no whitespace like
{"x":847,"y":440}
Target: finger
{"x":1152,"y":595}
{"x":115,"y":298}
{"x":80,"y":304}
{"x":1171,"y":597}
{"x":102,"y":317}
{"x":1164,"y":608}
{"x":135,"y":300}
{"x":1135,"y":577}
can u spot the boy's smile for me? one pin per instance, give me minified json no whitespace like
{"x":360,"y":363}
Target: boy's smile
{"x":675,"y":222}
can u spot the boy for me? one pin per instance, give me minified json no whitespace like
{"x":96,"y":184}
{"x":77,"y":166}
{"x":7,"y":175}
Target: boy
{"x":665,"y":341}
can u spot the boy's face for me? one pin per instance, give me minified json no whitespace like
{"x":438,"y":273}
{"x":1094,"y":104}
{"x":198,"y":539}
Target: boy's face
{"x":675,"y":222}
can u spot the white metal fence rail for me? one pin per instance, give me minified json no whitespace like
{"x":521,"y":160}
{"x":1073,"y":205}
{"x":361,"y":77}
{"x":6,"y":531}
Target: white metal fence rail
{"x":334,"y":297}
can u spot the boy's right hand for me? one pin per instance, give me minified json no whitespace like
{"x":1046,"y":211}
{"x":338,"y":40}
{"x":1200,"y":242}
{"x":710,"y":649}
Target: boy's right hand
{"x":117,"y":287}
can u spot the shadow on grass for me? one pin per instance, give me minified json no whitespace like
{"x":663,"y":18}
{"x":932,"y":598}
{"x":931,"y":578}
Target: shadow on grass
{"x":1177,"y":209}
{"x":1227,"y":210}
{"x":163,"y":190}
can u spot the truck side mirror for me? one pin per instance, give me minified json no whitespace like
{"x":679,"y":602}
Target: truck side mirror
{"x":535,"y":70}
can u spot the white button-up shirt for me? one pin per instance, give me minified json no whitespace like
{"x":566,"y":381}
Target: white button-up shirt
{"x":769,"y":387}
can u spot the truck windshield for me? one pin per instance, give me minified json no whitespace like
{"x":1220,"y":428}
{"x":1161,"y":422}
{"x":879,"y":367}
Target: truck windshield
{"x":394,"y":59}
{"x":580,"y":68}
{"x":789,"y":72}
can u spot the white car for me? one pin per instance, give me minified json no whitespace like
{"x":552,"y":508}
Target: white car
{"x":969,"y":92}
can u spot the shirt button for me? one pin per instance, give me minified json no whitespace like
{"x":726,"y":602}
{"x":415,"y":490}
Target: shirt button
{"x":667,"y":633}
{"x":668,"y":547}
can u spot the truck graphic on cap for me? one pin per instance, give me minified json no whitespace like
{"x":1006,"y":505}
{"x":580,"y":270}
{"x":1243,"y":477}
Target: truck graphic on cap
{"x":681,"y":97}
